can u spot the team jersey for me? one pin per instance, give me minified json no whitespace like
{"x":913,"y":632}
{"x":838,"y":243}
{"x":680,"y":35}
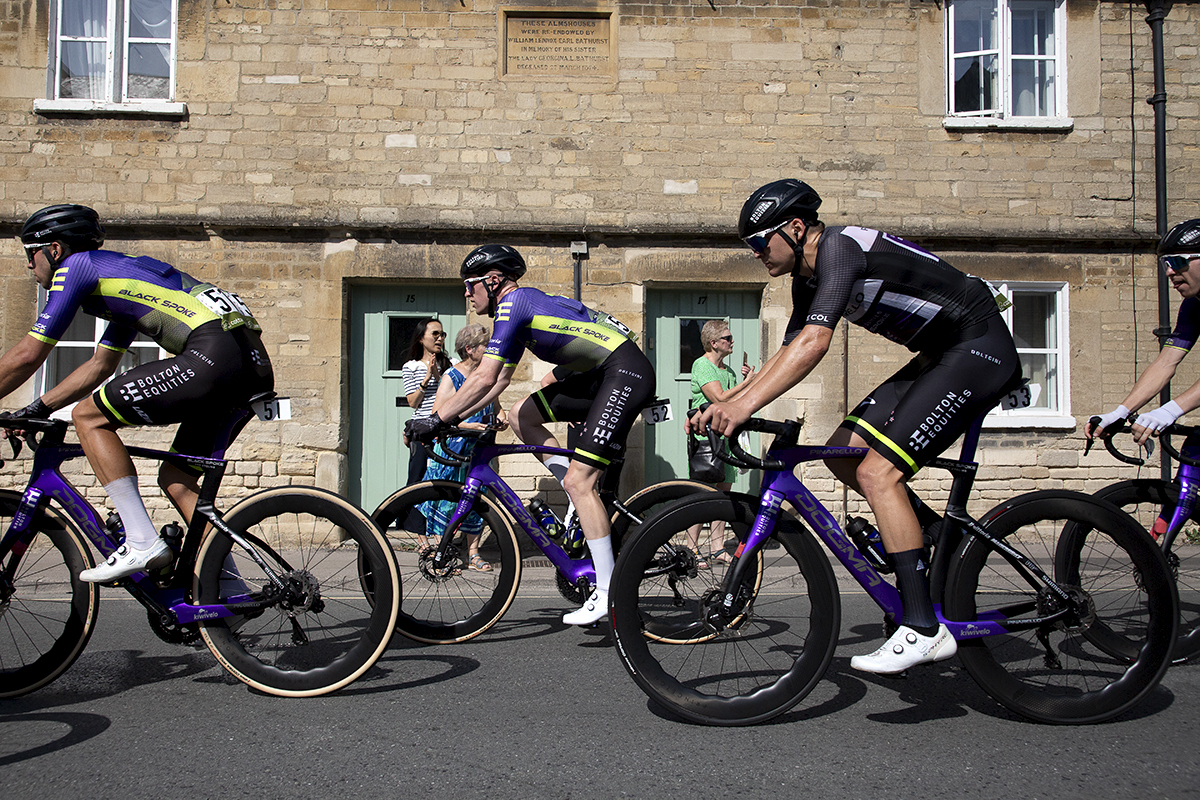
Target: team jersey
{"x":555,"y":329}
{"x":890,"y":287}
{"x":136,"y":295}
{"x":1187,"y":326}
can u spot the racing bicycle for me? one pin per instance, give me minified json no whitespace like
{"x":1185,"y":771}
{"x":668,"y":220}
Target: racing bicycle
{"x":444,"y":599}
{"x":1168,"y":510}
{"x":271,"y":586}
{"x":1057,"y":634}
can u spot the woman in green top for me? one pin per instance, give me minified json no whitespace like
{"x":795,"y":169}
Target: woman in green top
{"x":715,"y":382}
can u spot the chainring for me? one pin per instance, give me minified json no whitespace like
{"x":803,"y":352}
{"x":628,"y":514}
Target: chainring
{"x":173,"y":632}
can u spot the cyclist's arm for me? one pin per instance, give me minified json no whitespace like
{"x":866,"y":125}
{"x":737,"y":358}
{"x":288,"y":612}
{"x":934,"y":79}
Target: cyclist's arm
{"x":785,"y":369}
{"x":19,"y":363}
{"x":85,"y":379}
{"x":482,"y":386}
{"x":1152,"y":381}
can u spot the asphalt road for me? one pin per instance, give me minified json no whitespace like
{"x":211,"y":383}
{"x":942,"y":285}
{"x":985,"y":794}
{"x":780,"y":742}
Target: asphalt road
{"x":537,"y":710}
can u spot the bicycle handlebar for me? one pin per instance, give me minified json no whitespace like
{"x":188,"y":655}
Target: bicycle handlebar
{"x":1120,"y":426}
{"x":53,"y":432}
{"x":453,"y":458}
{"x":788,"y":431}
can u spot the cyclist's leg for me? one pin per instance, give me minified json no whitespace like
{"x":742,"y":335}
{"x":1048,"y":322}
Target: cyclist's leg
{"x":110,"y":461}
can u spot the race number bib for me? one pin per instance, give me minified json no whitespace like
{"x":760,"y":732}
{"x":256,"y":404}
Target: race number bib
{"x":1022,"y":397}
{"x":228,"y":306}
{"x":276,"y":408}
{"x":658,"y":411}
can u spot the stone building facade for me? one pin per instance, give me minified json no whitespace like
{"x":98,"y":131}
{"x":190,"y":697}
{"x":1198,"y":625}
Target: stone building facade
{"x":313,"y":154}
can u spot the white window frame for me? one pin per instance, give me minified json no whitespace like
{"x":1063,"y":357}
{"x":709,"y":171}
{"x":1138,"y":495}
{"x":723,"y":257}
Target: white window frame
{"x":1002,"y":116}
{"x":117,"y":41}
{"x":1057,"y":418}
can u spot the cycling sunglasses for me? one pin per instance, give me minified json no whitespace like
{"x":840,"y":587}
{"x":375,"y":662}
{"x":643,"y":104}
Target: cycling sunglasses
{"x":470,"y":282}
{"x":758,"y":241}
{"x":1178,"y":262}
{"x":31,"y":250}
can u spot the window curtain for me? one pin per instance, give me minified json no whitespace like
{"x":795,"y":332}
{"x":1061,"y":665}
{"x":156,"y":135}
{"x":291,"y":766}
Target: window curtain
{"x":149,"y":62}
{"x":82,"y":35}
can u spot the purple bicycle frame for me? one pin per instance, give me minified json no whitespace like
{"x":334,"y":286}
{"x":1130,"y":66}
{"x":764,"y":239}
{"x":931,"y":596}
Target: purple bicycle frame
{"x":480,"y":475}
{"x":780,"y":485}
{"x":47,"y":482}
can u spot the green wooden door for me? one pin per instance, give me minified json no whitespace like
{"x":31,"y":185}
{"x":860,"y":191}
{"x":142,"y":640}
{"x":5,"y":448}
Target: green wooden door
{"x":382,"y":319}
{"x":675,"y":319}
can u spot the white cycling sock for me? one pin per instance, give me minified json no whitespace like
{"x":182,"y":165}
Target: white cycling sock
{"x":127,"y":501}
{"x":603,"y":560}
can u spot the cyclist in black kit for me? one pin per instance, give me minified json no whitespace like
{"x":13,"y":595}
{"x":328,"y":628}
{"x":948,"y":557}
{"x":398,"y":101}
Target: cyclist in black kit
{"x":965,"y":362}
{"x":607,"y":381}
{"x":218,"y":364}
{"x":1179,"y":258}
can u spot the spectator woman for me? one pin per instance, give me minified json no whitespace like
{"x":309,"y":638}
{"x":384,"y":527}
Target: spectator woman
{"x":713,"y":382}
{"x":421,"y":375}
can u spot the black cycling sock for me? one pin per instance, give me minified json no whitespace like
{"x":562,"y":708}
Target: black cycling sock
{"x":912,"y":580}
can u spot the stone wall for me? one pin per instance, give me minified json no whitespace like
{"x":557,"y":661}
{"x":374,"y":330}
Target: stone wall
{"x":333,"y":141}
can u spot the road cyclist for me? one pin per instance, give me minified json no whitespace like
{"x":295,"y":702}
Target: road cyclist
{"x":610,"y":383}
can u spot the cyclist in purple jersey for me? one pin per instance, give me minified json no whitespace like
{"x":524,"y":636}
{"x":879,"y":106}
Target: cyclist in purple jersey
{"x":1179,"y":258}
{"x":609,"y":382}
{"x":218,"y":364}
{"x":965,"y":362}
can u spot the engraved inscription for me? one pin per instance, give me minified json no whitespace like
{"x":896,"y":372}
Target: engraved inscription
{"x":558,"y":45}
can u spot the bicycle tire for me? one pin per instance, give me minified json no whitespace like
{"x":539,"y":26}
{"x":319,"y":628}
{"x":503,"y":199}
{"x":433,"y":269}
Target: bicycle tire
{"x":1122,"y":584}
{"x":1143,"y":499}
{"x":455,"y":603}
{"x":47,"y":614}
{"x":323,"y":633}
{"x":649,"y":500}
{"x":782,"y":636}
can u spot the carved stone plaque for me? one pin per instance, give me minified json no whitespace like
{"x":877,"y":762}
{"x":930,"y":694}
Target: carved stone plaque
{"x":549,"y":43}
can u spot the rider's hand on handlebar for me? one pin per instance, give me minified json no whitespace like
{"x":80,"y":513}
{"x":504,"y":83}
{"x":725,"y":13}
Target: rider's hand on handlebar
{"x":1152,"y":422}
{"x":724,"y":418}
{"x":425,"y":429}
{"x":1092,"y":429}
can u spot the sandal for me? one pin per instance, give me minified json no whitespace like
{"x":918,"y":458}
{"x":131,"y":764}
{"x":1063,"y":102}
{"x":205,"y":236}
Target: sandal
{"x":721,"y":556}
{"x":701,"y":561}
{"x":477,"y":563}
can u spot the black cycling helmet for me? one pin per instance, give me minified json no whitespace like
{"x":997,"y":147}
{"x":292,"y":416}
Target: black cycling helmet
{"x":500,"y":257}
{"x":78,"y":227}
{"x":776,"y":204}
{"x":1183,"y":238}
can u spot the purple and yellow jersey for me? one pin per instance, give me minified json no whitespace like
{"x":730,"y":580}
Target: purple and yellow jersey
{"x":136,"y":295}
{"x":1187,"y":326}
{"x":555,"y":329}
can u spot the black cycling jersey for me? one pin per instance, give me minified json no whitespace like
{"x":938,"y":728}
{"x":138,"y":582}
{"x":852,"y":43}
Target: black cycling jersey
{"x":891,"y":287}
{"x":1187,"y":326}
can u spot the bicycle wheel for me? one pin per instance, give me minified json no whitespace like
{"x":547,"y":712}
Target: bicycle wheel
{"x":455,"y":602}
{"x":46,"y":613}
{"x":1143,"y":499}
{"x":648,"y":501}
{"x":1056,"y":672}
{"x":320,"y":632}
{"x":735,"y":667}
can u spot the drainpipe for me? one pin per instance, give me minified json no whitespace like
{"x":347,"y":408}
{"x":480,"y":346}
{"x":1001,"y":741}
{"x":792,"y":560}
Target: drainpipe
{"x":579,"y":252}
{"x":1157,"y":14}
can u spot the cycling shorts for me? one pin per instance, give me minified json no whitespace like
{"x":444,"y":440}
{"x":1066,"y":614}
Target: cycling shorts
{"x":913,"y":416}
{"x":217,"y":373}
{"x":606,"y":399}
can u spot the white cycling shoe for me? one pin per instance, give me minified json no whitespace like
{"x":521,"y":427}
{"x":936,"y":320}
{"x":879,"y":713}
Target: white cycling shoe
{"x":907,"y":648}
{"x":594,"y":609}
{"x":128,"y":560}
